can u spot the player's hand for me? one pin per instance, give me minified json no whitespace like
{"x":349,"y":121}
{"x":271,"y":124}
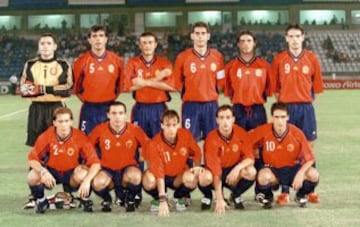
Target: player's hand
{"x":298,"y":181}
{"x":84,"y":189}
{"x":220,"y":206}
{"x":160,"y":75}
{"x":139,"y":82}
{"x":163,"y":209}
{"x":232,"y":177}
{"x":48,"y":179}
{"x":29,"y":89}
{"x":197,"y":170}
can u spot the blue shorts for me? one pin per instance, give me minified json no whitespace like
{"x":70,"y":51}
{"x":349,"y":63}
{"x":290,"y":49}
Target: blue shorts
{"x":169,"y":182}
{"x":199,"y":118}
{"x":61,"y":177}
{"x":115,"y":175}
{"x":92,"y":114}
{"x":302,"y":115}
{"x":286,"y":175}
{"x":249,"y":117}
{"x":148,"y":117}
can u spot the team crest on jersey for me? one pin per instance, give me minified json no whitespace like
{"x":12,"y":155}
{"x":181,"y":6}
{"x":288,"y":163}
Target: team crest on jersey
{"x":290,"y":147}
{"x":53,"y":71}
{"x":183,"y":151}
{"x":71,"y":151}
{"x":305,"y":69}
{"x":111,"y":68}
{"x":235,"y":148}
{"x":258,"y":72}
{"x":213,"y":67}
{"x":128,"y":144}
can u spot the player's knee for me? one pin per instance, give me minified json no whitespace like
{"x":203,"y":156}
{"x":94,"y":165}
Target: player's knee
{"x":80,"y":173}
{"x":312,"y":175}
{"x":264,"y":176}
{"x":33,"y":178}
{"x":133,"y":176}
{"x":205,"y":178}
{"x":100,"y":182}
{"x":148,"y":181}
{"x":189,"y":180}
{"x":249,"y":173}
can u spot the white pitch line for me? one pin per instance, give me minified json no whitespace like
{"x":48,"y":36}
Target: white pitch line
{"x":13,"y":113}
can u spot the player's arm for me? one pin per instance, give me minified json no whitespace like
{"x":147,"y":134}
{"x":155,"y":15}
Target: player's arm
{"x":79,"y":75}
{"x":27,"y":86}
{"x":65,"y":81}
{"x":220,"y":205}
{"x":163,"y":207}
{"x":300,"y":175}
{"x":84,"y":189}
{"x":156,"y":82}
{"x":232,"y":177}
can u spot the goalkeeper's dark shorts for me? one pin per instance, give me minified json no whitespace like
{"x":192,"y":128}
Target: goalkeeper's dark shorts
{"x":39,"y":119}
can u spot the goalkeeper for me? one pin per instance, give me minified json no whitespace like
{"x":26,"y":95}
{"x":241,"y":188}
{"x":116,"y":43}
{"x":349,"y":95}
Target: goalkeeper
{"x":46,"y":80}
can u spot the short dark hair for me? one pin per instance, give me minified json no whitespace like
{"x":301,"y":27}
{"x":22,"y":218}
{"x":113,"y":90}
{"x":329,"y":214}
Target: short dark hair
{"x":146,"y":34}
{"x":279,"y":106}
{"x":294,"y":26}
{"x":48,"y":34}
{"x":96,"y":28}
{"x":224,"y":108}
{"x":202,"y":25}
{"x":62,"y":110}
{"x":169,"y":114}
{"x":246,"y":32}
{"x":116,"y":103}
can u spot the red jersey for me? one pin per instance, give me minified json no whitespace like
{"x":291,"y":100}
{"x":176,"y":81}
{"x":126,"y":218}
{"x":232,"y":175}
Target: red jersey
{"x":118,"y":150}
{"x":98,"y":79}
{"x":199,"y":76}
{"x":290,"y":150}
{"x":297,"y":78}
{"x":139,"y":67}
{"x":248,"y":83}
{"x":223,"y":152}
{"x":170,"y":159}
{"x":63,"y":155}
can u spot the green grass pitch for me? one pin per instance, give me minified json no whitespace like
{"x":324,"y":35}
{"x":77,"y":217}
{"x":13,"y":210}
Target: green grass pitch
{"x":337,"y":152}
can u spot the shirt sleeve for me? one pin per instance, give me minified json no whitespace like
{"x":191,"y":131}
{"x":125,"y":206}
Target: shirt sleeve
{"x":156,"y":164}
{"x":212,"y":159}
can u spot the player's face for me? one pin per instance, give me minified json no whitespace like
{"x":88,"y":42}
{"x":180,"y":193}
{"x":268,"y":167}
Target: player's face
{"x":47,"y":47}
{"x":280,"y":119}
{"x":169,"y":128}
{"x":63,"y":124}
{"x":246,"y":44}
{"x":200,"y":37}
{"x":147,"y":46}
{"x":117,"y":116}
{"x":98,"y":41}
{"x":225,"y":121}
{"x":294,"y":38}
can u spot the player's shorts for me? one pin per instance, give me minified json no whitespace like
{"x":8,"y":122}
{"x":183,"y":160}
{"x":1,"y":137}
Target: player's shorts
{"x":92,"y":114}
{"x":249,"y":117}
{"x":40,"y":118}
{"x":199,"y":118}
{"x":148,"y":117}
{"x":302,"y":115}
{"x":115,"y":175}
{"x":169,"y":182}
{"x":286,"y":175}
{"x":61,"y":177}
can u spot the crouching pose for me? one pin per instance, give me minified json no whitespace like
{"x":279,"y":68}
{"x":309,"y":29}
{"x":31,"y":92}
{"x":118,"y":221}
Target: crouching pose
{"x":167,"y":154}
{"x":287,"y":156}
{"x":118,"y":141}
{"x":230,"y":160}
{"x":55,"y":160}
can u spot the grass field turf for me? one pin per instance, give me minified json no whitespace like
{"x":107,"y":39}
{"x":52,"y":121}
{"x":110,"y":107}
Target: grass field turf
{"x":337,"y":151}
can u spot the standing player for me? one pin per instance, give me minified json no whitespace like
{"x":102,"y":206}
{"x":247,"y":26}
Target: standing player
{"x":230,"y":160}
{"x":62,"y":146}
{"x":167,"y":154}
{"x":97,"y":76}
{"x":149,"y":77}
{"x":248,"y":84}
{"x":297,"y":78}
{"x":46,"y":81}
{"x":287,"y":156}
{"x":199,"y":73}
{"x":118,"y":142}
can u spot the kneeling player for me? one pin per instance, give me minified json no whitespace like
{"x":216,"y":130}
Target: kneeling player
{"x":167,"y":154}
{"x":230,"y":161}
{"x":62,"y":146}
{"x":118,"y":142}
{"x":287,"y":157}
